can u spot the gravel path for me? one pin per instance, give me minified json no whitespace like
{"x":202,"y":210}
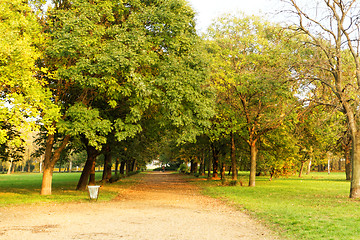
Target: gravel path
{"x":161,"y":206}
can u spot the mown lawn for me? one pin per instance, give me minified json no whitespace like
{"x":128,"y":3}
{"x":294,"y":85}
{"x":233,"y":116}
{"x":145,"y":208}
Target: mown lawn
{"x":24,"y":188}
{"x":313,"y":207}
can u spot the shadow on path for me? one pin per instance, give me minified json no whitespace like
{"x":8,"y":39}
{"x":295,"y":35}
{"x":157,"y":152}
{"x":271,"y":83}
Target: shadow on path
{"x":160,"y":206}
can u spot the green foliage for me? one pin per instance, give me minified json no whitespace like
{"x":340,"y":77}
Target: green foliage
{"x":23,"y":98}
{"x":13,"y":149}
{"x":279,"y":151}
{"x":318,"y":132}
{"x":132,"y":61}
{"x":183,"y":168}
{"x":84,"y":121}
{"x":250,"y":64}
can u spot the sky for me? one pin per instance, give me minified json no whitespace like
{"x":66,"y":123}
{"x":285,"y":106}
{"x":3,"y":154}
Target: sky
{"x":207,"y":10}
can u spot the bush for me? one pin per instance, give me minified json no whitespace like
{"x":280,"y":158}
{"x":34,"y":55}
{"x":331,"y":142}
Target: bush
{"x":115,"y":178}
{"x":224,"y":182}
{"x":133,"y":173}
{"x":183,"y":168}
{"x":233,"y":183}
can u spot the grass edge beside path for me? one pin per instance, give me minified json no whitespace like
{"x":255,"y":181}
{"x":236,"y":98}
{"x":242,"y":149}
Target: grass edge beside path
{"x":313,"y":207}
{"x":24,"y":188}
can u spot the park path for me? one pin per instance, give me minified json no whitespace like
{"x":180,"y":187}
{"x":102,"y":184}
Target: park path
{"x":161,"y":206}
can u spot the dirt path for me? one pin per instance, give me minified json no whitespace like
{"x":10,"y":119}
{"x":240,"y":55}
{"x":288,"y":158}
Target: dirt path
{"x":161,"y":206}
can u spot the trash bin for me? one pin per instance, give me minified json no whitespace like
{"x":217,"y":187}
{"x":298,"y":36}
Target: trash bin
{"x":93,"y":192}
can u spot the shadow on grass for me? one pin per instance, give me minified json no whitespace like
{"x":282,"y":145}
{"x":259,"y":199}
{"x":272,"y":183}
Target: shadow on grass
{"x":25,"y":189}
{"x":313,"y":179}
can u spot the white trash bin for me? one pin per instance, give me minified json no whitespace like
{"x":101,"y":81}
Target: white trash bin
{"x":93,"y":192}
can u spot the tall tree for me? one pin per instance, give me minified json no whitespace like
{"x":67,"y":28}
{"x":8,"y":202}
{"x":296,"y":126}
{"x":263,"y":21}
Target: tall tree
{"x":13,"y":149}
{"x":23,"y":98}
{"x":129,"y":60}
{"x":334,"y":29}
{"x":250,"y":71}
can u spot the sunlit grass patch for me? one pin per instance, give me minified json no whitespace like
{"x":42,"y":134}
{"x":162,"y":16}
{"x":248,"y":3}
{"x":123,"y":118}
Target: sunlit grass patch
{"x":313,"y":207}
{"x":25,"y":188}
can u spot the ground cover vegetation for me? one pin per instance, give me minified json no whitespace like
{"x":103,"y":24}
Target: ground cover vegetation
{"x":313,"y":207}
{"x":123,"y":83}
{"x":19,"y":188}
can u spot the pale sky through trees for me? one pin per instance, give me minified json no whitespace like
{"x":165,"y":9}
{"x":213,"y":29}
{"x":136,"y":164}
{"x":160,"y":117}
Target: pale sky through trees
{"x":207,"y":10}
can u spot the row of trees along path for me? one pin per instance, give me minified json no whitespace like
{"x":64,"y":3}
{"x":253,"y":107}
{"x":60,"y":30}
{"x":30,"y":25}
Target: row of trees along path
{"x":159,"y":206}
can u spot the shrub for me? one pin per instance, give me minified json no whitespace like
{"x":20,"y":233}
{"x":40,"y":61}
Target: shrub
{"x":183,"y":168}
{"x":233,"y":183}
{"x":115,"y":178}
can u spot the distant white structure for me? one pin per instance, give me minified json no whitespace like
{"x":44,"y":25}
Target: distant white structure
{"x":154,"y":164}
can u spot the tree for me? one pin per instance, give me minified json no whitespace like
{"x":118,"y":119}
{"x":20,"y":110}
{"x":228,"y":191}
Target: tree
{"x":335,"y":33}
{"x":346,"y":143}
{"x":128,"y":61}
{"x":22,"y":97}
{"x":85,"y":123}
{"x":13,"y":149}
{"x":251,"y":66}
{"x":24,"y":100}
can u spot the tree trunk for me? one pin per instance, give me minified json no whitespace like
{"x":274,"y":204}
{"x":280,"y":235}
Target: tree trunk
{"x":301,"y":169}
{"x":47,"y":181}
{"x":202,"y":164}
{"x":84,"y":175}
{"x":253,"y":153}
{"x":309,"y":167}
{"x":41,"y":163}
{"x":128,"y":166}
{"x":195,"y":166}
{"x":116,"y":166}
{"x":89,"y":168}
{"x":70,"y":166}
{"x":49,"y":162}
{"x":107,"y":167}
{"x":9,"y":171}
{"x":355,"y":180}
{"x":133,"y":165}
{"x":223,"y":170}
{"x":215,"y":153}
{"x":209,"y":163}
{"x":347,"y":153}
{"x":233,"y":158}
{"x":192,"y":166}
{"x":92,"y":173}
{"x":122,"y":167}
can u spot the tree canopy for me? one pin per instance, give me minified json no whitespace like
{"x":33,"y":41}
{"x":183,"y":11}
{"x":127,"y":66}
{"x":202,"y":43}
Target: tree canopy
{"x":251,"y":71}
{"x":133,"y":80}
{"x":127,"y":63}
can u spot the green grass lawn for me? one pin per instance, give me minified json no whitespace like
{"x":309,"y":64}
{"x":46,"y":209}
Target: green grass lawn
{"x":24,"y":188}
{"x":313,"y":207}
